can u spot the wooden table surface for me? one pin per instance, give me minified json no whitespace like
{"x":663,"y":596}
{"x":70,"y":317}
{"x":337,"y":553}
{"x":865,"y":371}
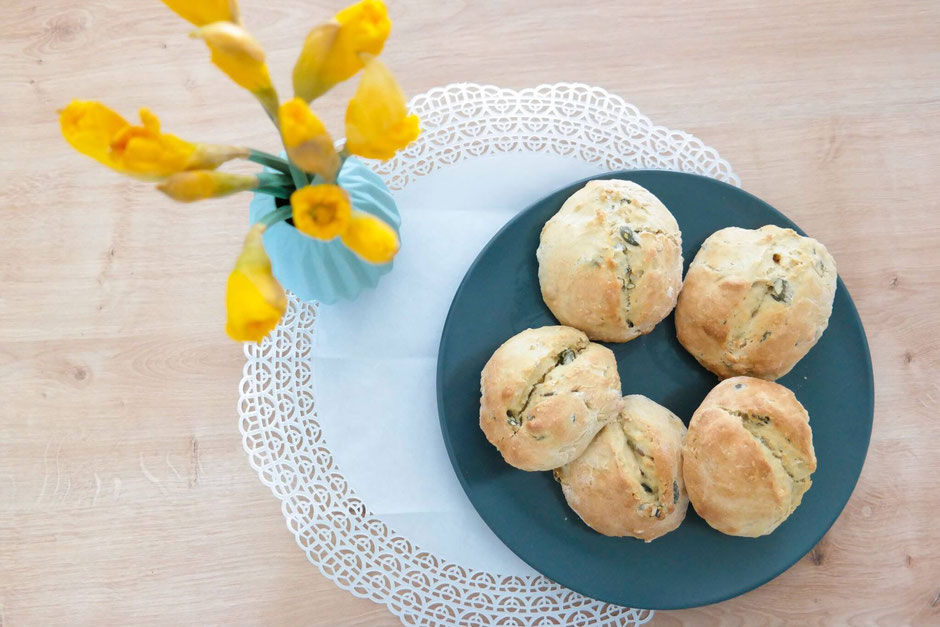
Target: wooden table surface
{"x":125,"y":496}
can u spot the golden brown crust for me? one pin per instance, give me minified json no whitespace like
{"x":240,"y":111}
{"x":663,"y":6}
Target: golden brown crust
{"x":755,"y":301}
{"x":545,"y":394}
{"x":629,"y":481}
{"x":610,"y":261}
{"x":748,"y":456}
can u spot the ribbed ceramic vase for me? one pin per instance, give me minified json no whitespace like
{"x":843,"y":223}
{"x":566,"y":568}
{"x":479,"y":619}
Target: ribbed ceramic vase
{"x":327,"y":271}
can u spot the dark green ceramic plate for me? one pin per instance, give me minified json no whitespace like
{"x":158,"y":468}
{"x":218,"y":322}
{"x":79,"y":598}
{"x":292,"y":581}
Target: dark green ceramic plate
{"x":694,"y":565}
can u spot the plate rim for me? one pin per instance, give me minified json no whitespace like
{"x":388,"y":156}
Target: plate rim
{"x":448,"y":320}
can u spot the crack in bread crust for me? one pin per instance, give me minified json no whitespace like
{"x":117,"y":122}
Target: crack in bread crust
{"x":738,"y":342}
{"x":747,"y":420}
{"x":622,"y":228}
{"x":754,"y":424}
{"x":651,"y":499}
{"x":625,"y":275}
{"x":651,"y":494}
{"x":750,"y":421}
{"x":515,"y":418}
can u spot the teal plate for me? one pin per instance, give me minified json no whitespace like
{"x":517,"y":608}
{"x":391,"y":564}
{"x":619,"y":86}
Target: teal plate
{"x":694,"y":565}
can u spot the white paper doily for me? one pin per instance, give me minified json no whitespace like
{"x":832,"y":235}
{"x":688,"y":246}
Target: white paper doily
{"x":557,"y":132}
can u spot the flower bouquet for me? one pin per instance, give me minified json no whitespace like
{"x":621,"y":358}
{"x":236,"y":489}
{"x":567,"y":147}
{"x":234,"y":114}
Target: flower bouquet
{"x":305,"y":186}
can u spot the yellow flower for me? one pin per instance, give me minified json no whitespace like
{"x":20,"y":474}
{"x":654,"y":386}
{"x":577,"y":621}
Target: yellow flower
{"x":331,"y":51}
{"x":142,"y":151}
{"x":321,"y":211}
{"x":148,"y":152}
{"x":89,"y":128}
{"x":254,"y":300}
{"x":202,"y":184}
{"x":370,"y":238}
{"x":240,"y":56}
{"x":202,"y":12}
{"x":236,"y":53}
{"x":377,"y":120}
{"x":308,"y":143}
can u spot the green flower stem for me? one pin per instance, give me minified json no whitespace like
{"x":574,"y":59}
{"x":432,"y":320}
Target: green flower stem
{"x":277,"y":192}
{"x":299,"y":176}
{"x":274,"y":184}
{"x":274,"y":179}
{"x":267,"y":159}
{"x":276,"y":216}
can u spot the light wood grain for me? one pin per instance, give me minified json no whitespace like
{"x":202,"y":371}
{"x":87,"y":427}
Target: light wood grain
{"x":124,"y":494}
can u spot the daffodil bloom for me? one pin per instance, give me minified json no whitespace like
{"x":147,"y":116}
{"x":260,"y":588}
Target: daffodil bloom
{"x":308,"y":143}
{"x":331,"y":51}
{"x":141,"y":151}
{"x":202,"y":12}
{"x":377,"y":119}
{"x":89,"y":127}
{"x":254,"y":300}
{"x":240,"y":56}
{"x":321,"y":211}
{"x":201,"y":184}
{"x":370,"y":238}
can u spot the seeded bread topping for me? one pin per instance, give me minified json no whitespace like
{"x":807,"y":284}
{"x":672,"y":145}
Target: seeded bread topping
{"x":610,"y":261}
{"x":754,"y":302}
{"x":545,"y":394}
{"x":748,"y":456}
{"x":629,"y":481}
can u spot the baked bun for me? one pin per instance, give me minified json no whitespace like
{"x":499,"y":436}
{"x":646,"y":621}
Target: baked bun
{"x":755,"y":301}
{"x":546,"y":394}
{"x":610,"y":261}
{"x":748,"y":456}
{"x":629,"y":481}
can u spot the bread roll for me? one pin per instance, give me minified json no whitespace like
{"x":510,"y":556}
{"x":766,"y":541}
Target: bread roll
{"x":629,"y":481}
{"x":748,"y":456}
{"x":545,"y":394}
{"x":610,"y":261}
{"x":755,"y":301}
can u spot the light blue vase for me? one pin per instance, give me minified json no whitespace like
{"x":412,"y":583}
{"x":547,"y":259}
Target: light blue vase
{"x":315,"y":270}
